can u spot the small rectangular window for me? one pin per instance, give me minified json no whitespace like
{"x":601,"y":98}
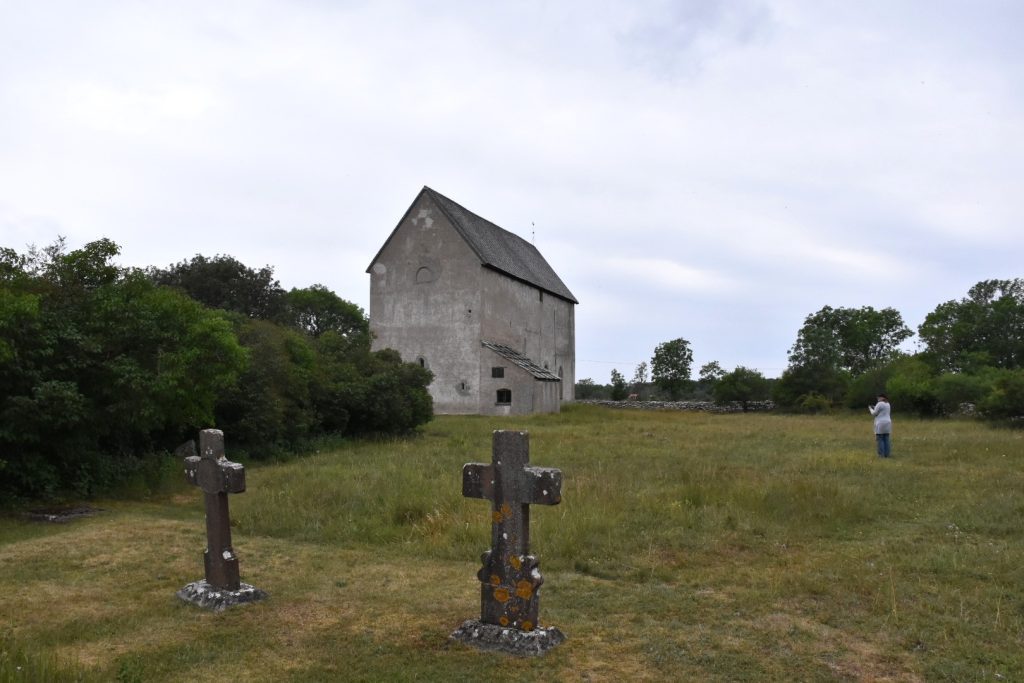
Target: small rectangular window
{"x":504,"y":396}
{"x":497,"y":372}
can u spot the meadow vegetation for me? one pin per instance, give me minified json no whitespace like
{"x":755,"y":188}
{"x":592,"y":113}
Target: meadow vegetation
{"x":688,"y":546}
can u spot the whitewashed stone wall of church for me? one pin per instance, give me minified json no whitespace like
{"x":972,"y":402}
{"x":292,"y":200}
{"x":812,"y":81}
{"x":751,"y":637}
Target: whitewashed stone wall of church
{"x":539,"y":325}
{"x":425,"y":298}
{"x":431,"y":300}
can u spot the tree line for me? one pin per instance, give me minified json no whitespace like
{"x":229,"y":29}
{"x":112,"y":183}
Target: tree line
{"x":103,"y":368}
{"x":971,"y":354}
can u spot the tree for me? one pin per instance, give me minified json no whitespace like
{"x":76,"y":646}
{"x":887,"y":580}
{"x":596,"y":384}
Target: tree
{"x":851,"y":340}
{"x":711,"y":372}
{"x":98,"y":367}
{"x":985,"y":328}
{"x":670,"y":367}
{"x":619,"y":391}
{"x":316,"y":310}
{"x":640,"y":378}
{"x":743,"y":385}
{"x":586,"y":389}
{"x":1006,"y":399}
{"x":800,"y":381}
{"x":226,"y":283}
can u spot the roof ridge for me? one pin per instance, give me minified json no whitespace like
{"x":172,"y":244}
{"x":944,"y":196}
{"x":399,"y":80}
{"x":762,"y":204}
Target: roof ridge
{"x":501,"y":249}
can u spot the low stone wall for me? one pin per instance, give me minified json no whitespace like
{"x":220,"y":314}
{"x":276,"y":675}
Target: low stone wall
{"x":696,"y":406}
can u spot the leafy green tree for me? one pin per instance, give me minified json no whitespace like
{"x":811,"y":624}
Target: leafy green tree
{"x":586,"y":389}
{"x":619,"y":390}
{"x":317,"y":310}
{"x":640,"y":377}
{"x":226,"y":283}
{"x":710,"y":373}
{"x":865,"y":388}
{"x":670,"y":367}
{"x":1006,"y":400}
{"x":743,"y":385}
{"x":99,"y":367}
{"x":270,"y":408}
{"x":911,"y":388}
{"x":382,"y":394}
{"x":799,"y":381}
{"x":985,"y":328}
{"x":851,"y":340}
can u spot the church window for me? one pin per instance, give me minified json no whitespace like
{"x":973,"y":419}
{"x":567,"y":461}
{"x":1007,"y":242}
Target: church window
{"x":541,"y":294}
{"x":497,"y":372}
{"x":422,"y":361}
{"x":424,"y":275}
{"x":504,"y":396}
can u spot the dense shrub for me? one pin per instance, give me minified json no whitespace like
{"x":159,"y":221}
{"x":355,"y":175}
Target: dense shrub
{"x":911,"y":388}
{"x":743,"y":385}
{"x":799,"y":381}
{"x":1006,"y":400}
{"x":99,"y":367}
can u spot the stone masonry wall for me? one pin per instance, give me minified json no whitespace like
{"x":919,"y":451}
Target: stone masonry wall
{"x":696,"y":406}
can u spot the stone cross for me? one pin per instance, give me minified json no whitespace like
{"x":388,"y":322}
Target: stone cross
{"x":217,"y":477}
{"x":510,"y":579}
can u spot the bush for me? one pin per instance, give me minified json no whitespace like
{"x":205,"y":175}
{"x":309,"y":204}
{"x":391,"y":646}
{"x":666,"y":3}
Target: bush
{"x":1006,"y":399}
{"x":814,"y":404}
{"x":99,"y":368}
{"x":743,"y":385}
{"x":799,"y":381}
{"x":912,"y":388}
{"x":955,"y":389}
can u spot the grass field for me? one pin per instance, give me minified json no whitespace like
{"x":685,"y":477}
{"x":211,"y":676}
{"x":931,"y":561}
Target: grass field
{"x":687,"y":547}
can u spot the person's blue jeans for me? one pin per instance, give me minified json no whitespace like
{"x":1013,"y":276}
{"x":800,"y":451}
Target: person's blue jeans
{"x":884,"y":445}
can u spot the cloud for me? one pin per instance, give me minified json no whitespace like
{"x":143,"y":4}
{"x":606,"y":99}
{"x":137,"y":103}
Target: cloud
{"x":717,"y":170}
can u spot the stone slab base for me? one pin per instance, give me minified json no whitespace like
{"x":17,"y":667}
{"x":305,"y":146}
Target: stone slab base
{"x":206,"y":596}
{"x":509,"y":640}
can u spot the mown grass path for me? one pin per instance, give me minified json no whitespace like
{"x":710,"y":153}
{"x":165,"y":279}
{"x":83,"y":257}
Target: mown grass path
{"x":688,"y":547}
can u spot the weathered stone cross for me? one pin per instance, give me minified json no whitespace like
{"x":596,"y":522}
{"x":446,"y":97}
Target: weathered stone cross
{"x":217,"y":477}
{"x":510,"y":580}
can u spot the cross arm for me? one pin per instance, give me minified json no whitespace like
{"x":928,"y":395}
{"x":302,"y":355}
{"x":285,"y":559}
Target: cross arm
{"x":478,"y":480}
{"x":544,"y":485}
{"x":215,"y":476}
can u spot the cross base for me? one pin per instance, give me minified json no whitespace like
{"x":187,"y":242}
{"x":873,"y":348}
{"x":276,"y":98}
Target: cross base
{"x":508,"y":640}
{"x":202,"y":594}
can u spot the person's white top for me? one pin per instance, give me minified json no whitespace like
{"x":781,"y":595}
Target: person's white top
{"x":883,"y":423}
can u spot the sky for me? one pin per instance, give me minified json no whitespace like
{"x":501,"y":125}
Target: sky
{"x":716,"y":171}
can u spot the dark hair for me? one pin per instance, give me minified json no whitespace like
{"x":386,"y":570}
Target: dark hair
{"x":884,"y":396}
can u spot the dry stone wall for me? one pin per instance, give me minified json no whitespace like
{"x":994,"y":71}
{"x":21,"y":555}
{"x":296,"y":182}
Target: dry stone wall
{"x":695,"y":406}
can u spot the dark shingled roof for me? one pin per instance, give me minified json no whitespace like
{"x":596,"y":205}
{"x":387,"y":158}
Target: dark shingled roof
{"x":510,"y":354}
{"x":501,"y":250}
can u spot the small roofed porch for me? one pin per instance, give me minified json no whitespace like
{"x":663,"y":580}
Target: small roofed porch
{"x":513,"y":384}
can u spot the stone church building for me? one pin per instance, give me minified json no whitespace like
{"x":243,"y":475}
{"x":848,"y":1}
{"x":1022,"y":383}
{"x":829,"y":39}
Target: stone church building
{"x":479,"y":307}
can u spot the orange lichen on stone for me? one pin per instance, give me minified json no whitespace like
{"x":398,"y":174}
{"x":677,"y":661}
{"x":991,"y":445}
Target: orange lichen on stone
{"x":506,"y":509}
{"x":503,"y":620}
{"x":497,"y":517}
{"x":495,"y":579}
{"x":501,"y":594}
{"x":515,"y":561}
{"x":527,"y":626}
{"x":524,"y":589}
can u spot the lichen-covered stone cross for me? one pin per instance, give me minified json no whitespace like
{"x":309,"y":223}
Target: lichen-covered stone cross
{"x":510,"y":578}
{"x":217,"y":477}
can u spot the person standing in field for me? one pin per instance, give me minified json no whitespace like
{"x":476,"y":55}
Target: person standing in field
{"x":883,"y":425}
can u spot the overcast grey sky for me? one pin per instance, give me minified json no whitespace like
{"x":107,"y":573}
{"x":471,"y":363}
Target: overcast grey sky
{"x":715,"y":171}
